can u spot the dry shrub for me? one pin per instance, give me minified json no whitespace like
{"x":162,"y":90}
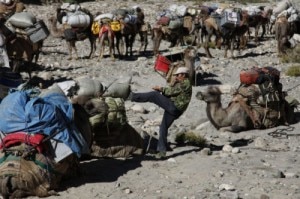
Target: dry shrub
{"x":292,"y":55}
{"x":293,"y":71}
{"x":190,"y":138}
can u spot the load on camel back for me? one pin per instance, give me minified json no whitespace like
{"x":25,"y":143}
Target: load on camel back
{"x":43,"y":136}
{"x":258,"y":103}
{"x":24,"y":34}
{"x":105,"y":106}
{"x":176,"y":24}
{"x":45,"y":133}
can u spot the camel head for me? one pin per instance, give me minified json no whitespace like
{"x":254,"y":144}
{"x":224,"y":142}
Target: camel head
{"x":52,"y":19}
{"x":190,"y":53}
{"x":212,"y":94}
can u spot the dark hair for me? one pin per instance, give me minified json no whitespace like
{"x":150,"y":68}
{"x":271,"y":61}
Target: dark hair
{"x":138,"y":9}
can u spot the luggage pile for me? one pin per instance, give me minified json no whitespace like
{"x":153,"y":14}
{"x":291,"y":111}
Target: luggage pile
{"x":265,"y":102}
{"x":177,"y":16}
{"x":9,"y":7}
{"x":75,"y":20}
{"x":40,"y":141}
{"x":104,"y":103}
{"x":22,"y":23}
{"x":75,"y":16}
{"x":229,"y":19}
{"x":285,"y":8}
{"x":126,"y":15}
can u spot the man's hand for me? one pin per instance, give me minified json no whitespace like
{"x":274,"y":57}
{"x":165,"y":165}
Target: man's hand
{"x":157,"y":88}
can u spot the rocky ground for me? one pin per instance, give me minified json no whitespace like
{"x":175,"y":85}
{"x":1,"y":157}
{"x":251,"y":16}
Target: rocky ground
{"x":251,"y":165}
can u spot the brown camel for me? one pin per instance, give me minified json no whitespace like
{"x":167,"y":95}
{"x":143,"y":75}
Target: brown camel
{"x":174,"y":36}
{"x":22,"y":50}
{"x":282,"y":34}
{"x":128,"y":31}
{"x":143,"y":33}
{"x":228,"y":35}
{"x":106,"y":34}
{"x":189,"y":56}
{"x":246,"y":110}
{"x":80,"y":34}
{"x":232,"y":118}
{"x":258,"y":20}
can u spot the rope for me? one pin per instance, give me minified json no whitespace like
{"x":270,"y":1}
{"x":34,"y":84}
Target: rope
{"x":282,"y":133}
{"x":292,"y":88}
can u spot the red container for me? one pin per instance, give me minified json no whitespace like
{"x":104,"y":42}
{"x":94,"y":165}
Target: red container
{"x":162,"y":64}
{"x":249,"y":76}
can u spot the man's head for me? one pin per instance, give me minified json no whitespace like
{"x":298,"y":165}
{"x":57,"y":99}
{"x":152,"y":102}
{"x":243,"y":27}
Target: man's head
{"x":181,"y":73}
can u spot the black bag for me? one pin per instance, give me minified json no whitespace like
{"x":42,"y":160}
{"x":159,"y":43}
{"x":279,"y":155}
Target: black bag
{"x":70,"y":34}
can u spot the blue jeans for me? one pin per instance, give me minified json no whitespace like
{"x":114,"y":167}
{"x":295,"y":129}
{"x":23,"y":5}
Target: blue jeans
{"x":170,"y":115}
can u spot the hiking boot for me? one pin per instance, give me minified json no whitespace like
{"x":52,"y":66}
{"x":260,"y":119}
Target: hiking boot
{"x":160,"y":155}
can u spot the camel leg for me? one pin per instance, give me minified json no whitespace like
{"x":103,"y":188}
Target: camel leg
{"x":256,"y":34}
{"x":92,"y":45}
{"x":132,"y":38}
{"x":231,"y":45}
{"x":145,"y":42}
{"x":101,"y":48}
{"x":227,"y":44}
{"x":142,"y":42}
{"x":70,"y":50}
{"x":111,"y":46}
{"x":206,"y":46}
{"x":263,"y":31}
{"x":75,"y":49}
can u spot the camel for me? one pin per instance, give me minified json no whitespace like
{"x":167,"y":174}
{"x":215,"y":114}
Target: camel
{"x":128,"y":31}
{"x":259,"y":20}
{"x":37,"y":174}
{"x":106,"y":34}
{"x":228,"y":35}
{"x":174,"y":36}
{"x":246,"y":111}
{"x":189,"y":56}
{"x":282,"y":34}
{"x":22,"y":50}
{"x":232,"y":118}
{"x":143,"y":33}
{"x":80,"y":34}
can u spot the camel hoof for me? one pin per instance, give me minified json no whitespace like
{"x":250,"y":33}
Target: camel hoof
{"x":69,"y":58}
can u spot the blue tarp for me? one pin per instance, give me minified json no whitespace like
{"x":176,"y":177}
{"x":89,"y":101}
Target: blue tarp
{"x":48,"y":114}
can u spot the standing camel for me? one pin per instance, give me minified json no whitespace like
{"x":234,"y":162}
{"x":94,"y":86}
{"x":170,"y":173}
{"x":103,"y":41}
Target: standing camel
{"x":21,"y":50}
{"x":128,"y":31}
{"x":80,"y":34}
{"x":258,"y":20}
{"x":175,"y":36}
{"x":106,"y":34}
{"x":282,"y":33}
{"x":189,"y":56}
{"x":143,"y":33}
{"x":228,"y":35}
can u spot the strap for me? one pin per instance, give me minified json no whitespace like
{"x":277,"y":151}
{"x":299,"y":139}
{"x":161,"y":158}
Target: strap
{"x":249,"y":111}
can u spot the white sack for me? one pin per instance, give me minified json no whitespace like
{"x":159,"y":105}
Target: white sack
{"x":22,"y":20}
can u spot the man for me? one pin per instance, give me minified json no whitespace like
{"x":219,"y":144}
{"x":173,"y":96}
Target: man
{"x":173,"y":99}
